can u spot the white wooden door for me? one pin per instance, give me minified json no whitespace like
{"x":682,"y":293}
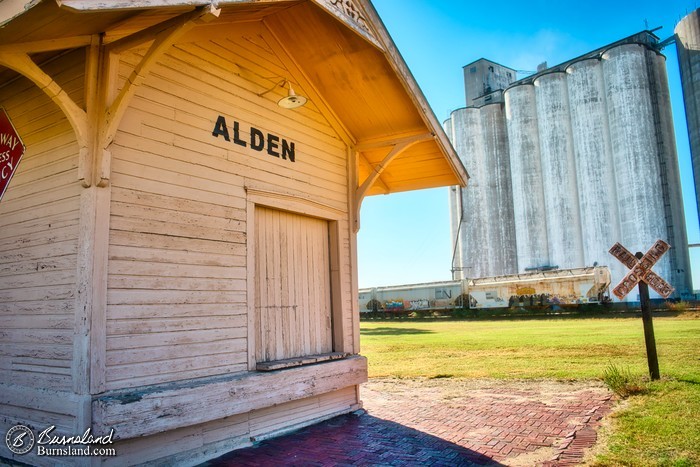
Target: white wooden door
{"x":292,"y":289}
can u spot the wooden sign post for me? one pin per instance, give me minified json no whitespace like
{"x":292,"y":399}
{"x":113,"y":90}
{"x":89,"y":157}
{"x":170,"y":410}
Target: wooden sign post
{"x":642,"y":275}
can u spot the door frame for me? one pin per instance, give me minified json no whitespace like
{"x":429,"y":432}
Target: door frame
{"x":295,"y":204}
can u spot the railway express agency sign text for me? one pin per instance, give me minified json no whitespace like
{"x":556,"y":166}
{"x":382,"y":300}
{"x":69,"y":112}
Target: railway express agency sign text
{"x":254,"y":139}
{"x":11,"y":151}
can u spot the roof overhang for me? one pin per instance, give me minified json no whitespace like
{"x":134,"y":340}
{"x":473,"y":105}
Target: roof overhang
{"x":342,"y":49}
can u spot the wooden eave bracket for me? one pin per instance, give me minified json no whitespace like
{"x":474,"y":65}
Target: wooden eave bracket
{"x":162,"y":40}
{"x":94,"y":140}
{"x":24,"y":65}
{"x":398,"y":146}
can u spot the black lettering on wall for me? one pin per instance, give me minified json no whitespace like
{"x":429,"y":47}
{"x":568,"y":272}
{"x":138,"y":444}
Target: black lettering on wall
{"x":288,"y":150}
{"x":257,"y":139}
{"x":220,"y":128}
{"x":272,"y":145}
{"x":236,"y":135}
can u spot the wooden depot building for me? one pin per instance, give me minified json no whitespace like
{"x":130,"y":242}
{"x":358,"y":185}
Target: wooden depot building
{"x":178,"y":242}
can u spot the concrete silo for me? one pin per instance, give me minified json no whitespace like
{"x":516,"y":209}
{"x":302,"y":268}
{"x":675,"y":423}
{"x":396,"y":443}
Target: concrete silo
{"x":688,"y":49}
{"x":473,"y":233}
{"x":561,"y":200}
{"x":499,"y":191}
{"x":679,"y":255}
{"x":594,"y":166}
{"x":526,"y":177}
{"x":484,"y":232}
{"x":634,"y":149}
{"x":592,"y":160}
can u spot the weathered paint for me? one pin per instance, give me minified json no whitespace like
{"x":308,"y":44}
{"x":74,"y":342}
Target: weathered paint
{"x":687,"y":45}
{"x":526,"y":171}
{"x":483,"y":80}
{"x":592,"y":162}
{"x":594,"y":167}
{"x":171,"y":226}
{"x":499,"y":198}
{"x":634,"y":150}
{"x":487,"y":231}
{"x":474,"y":231}
{"x":558,"y":171}
{"x":678,"y":257}
{"x":555,"y":287}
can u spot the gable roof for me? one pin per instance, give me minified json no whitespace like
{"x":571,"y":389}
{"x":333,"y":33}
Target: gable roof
{"x":341,"y":47}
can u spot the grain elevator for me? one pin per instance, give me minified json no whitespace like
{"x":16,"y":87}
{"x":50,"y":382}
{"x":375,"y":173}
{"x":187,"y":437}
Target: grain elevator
{"x":566,"y":162}
{"x":688,"y":49}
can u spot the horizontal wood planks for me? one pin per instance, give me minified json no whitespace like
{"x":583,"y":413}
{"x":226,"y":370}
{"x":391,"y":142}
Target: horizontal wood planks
{"x":147,"y":411}
{"x":39,"y":217}
{"x":37,"y":408}
{"x":177,"y":283}
{"x":194,"y":444}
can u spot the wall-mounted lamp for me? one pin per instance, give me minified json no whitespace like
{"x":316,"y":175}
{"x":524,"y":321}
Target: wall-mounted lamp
{"x":292,"y":100}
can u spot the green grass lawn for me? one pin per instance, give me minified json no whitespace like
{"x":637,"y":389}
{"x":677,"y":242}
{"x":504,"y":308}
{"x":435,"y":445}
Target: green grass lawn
{"x":659,"y":427}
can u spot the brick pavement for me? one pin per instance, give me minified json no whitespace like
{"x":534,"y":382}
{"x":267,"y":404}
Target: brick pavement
{"x":447,"y":422}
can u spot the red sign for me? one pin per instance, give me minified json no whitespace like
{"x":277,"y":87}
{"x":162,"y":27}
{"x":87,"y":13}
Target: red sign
{"x":641,"y":269}
{"x":11,"y":151}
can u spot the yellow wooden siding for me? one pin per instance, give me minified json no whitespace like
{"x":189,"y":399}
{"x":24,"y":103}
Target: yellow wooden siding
{"x":292,"y":299}
{"x":177,"y":256}
{"x":39,"y":217}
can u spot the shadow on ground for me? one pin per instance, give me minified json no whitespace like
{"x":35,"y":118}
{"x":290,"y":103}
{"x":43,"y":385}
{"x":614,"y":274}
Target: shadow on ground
{"x":354,"y":439}
{"x":392,"y":331}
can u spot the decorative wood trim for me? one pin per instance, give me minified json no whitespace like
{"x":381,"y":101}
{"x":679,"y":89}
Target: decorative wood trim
{"x":353,"y":183}
{"x":378,"y":143}
{"x":353,"y":16}
{"x":163,"y":39}
{"x":250,"y":285}
{"x":154,"y":409}
{"x":45,"y":400}
{"x":23,"y":64}
{"x":89,"y":344}
{"x":150,"y":33}
{"x":354,"y":227}
{"x":105,"y":91}
{"x":300,"y":361}
{"x":399,"y":146}
{"x":293,"y":203}
{"x":338,"y":311}
{"x":421,"y":103}
{"x":10,"y":9}
{"x":107,"y":5}
{"x":380,"y":180}
{"x":48,"y":45}
{"x":86,"y":162}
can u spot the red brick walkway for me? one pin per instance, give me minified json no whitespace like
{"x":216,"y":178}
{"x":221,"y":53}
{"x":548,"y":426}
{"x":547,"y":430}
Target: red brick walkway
{"x":514,"y":423}
{"x":447,"y":423}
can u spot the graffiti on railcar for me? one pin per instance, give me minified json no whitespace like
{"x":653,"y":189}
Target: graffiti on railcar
{"x":552,"y":288}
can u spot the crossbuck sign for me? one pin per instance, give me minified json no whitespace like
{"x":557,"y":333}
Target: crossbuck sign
{"x":640,"y":269}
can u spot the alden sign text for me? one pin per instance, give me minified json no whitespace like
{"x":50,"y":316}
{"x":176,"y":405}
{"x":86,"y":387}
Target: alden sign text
{"x":255,"y":139}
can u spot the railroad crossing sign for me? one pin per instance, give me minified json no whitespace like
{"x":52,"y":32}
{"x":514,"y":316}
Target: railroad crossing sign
{"x":641,"y":274}
{"x":11,"y":151}
{"x":641,"y":269}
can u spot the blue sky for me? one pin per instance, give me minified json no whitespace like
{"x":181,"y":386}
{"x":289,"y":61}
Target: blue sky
{"x":405,"y":237}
